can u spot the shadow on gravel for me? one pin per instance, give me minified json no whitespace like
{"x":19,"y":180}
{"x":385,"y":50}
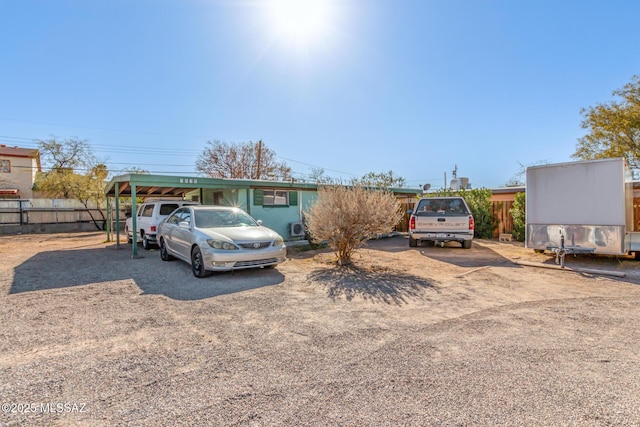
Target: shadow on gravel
{"x":69,"y":268}
{"x":477,"y":256}
{"x":391,"y":287}
{"x":451,"y":253}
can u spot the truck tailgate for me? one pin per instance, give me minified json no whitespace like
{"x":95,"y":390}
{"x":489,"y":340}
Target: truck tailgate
{"x":442,"y":224}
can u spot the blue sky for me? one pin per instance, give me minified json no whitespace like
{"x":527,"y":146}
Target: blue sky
{"x":412,"y":86}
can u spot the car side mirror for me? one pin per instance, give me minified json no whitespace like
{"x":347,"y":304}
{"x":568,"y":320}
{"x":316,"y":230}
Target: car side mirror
{"x":259,"y":222}
{"x":183,"y":224}
{"x":409,"y":211}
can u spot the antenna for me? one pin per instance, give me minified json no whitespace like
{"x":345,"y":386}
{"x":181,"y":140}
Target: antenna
{"x":455,"y":171}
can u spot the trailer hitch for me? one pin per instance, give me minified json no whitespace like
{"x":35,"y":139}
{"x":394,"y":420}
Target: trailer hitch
{"x":563,"y":250}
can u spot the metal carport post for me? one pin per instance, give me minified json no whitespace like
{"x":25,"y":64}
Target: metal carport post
{"x":134,"y":222}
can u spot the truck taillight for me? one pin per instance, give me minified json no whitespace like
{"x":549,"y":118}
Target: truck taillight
{"x":472,"y":223}
{"x":412,"y":223}
{"x":153,"y":228}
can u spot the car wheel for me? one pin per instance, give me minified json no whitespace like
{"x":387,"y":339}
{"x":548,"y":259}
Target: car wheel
{"x":538,"y":251}
{"x":164,"y":253}
{"x":466,"y":244}
{"x":145,"y":243}
{"x":413,"y":242}
{"x":197,"y":263}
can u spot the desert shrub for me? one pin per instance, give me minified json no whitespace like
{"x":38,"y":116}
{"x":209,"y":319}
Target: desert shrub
{"x":347,"y":216}
{"x":517,"y":212}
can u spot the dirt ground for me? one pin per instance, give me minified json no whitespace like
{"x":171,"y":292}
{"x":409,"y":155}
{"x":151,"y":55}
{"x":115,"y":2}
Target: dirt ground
{"x":405,"y":336}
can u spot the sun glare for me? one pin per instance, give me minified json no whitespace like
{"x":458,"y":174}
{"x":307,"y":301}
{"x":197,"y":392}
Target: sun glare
{"x":300,"y":21}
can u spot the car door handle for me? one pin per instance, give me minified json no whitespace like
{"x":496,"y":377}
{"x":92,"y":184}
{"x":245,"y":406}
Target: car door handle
{"x":441,"y":219}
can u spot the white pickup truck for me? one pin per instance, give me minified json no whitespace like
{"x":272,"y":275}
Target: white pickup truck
{"x":149,"y":215}
{"x":440,"y":220}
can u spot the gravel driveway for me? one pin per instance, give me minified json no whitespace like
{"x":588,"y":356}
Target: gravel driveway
{"x":407,"y":336}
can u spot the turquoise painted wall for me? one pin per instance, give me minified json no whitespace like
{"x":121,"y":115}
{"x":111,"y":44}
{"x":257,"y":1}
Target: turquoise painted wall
{"x":278,"y":218}
{"x":308,"y":199}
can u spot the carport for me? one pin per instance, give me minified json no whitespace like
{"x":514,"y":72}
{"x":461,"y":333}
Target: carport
{"x":160,"y":186}
{"x":279,"y":213}
{"x":247,"y":194}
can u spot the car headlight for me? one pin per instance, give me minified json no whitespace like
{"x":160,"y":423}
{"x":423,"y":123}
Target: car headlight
{"x":217,"y":244}
{"x":278,"y":241}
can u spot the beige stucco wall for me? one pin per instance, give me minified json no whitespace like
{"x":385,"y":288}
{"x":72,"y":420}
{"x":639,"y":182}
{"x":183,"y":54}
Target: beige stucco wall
{"x":22,"y":175}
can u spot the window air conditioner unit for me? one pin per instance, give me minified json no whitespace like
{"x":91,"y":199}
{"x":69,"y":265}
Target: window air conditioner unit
{"x":296,"y":229}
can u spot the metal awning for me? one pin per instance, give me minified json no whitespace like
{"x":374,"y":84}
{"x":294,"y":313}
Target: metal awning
{"x":143,"y":185}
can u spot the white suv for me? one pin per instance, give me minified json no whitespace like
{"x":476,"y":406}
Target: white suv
{"x":149,"y":215}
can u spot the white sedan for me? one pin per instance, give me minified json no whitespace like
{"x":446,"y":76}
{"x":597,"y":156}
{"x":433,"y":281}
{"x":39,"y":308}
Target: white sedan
{"x":218,"y":238}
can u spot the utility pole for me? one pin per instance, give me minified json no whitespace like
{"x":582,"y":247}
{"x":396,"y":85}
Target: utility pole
{"x":259,"y":155}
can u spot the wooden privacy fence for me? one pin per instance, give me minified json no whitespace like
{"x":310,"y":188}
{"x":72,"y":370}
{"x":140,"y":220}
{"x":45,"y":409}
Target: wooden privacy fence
{"x":501,"y":212}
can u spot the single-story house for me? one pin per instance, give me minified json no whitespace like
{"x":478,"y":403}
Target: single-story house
{"x":280,"y":205}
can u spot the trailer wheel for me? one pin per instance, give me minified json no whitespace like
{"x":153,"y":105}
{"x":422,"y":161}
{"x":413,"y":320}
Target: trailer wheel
{"x":636,"y":256}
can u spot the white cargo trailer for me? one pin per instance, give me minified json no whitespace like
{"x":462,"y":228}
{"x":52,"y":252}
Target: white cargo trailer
{"x":581,"y":207}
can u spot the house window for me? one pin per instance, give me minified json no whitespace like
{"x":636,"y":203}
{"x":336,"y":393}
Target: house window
{"x":275,"y":198}
{"x":5,"y":166}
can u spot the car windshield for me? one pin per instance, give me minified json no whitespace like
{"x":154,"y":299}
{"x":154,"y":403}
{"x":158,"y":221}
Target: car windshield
{"x":223,"y":218}
{"x":439,"y":207}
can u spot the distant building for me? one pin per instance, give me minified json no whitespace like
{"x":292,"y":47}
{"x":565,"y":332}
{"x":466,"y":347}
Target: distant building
{"x":18,"y":169}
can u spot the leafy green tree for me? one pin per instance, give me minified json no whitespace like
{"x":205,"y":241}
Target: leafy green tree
{"x":382,"y":180}
{"x":613,"y":128}
{"x":479,"y":201}
{"x":518,"y":211}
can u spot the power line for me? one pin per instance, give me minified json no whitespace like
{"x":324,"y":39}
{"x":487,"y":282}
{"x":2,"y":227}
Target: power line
{"x":155,"y":151}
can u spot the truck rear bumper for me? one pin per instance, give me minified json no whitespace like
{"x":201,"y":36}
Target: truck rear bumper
{"x":440,"y":236}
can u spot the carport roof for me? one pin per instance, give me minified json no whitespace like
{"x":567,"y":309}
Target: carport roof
{"x":164,"y":185}
{"x":147,"y":185}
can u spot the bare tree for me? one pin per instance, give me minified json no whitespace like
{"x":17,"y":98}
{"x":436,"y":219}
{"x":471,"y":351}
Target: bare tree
{"x":70,"y":153}
{"x":74,"y":173}
{"x":348,"y":216}
{"x":247,"y":160}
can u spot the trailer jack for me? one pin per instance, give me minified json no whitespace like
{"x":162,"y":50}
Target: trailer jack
{"x":563,"y":250}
